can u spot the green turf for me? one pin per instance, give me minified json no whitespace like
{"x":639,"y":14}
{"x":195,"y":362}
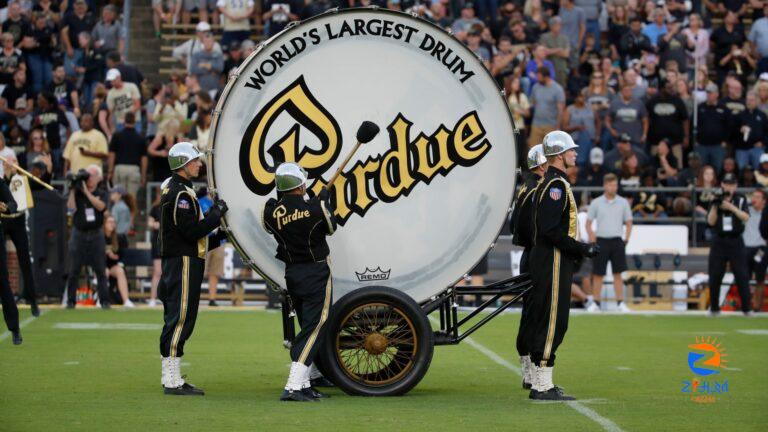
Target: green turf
{"x":73,"y":380}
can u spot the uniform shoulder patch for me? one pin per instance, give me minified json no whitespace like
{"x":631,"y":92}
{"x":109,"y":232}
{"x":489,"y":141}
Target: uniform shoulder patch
{"x":555,"y":193}
{"x":183,"y":204}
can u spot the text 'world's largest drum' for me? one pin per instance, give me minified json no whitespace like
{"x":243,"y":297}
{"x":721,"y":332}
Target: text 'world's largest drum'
{"x":419,"y":205}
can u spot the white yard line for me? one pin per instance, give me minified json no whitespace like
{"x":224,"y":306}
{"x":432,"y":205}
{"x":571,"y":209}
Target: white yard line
{"x":22,"y":324}
{"x":591,"y":414}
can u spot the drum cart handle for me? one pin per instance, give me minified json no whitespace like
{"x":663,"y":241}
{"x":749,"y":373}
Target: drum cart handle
{"x":446,"y":302}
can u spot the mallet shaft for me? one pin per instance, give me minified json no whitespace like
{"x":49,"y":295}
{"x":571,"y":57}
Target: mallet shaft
{"x":28,"y":174}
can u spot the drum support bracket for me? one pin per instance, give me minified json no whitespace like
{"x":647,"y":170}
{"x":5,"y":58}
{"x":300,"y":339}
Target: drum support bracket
{"x":502,"y":295}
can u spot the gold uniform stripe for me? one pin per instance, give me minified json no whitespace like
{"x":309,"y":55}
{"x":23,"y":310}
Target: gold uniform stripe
{"x":183,"y":308}
{"x":323,"y":317}
{"x":552,"y":307}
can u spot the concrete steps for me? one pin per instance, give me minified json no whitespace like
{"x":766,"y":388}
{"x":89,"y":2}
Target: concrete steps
{"x":144,"y":48}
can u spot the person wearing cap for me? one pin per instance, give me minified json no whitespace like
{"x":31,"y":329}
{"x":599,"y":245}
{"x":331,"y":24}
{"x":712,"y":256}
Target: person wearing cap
{"x":727,"y":216}
{"x":88,"y":199}
{"x":10,"y":311}
{"x":558,"y":49}
{"x":183,"y":52}
{"x":183,"y":241}
{"x":122,"y":98}
{"x":521,"y":225}
{"x":594,"y":173}
{"x":300,"y":228}
{"x":713,"y":129}
{"x":553,"y":258}
{"x":624,"y":148}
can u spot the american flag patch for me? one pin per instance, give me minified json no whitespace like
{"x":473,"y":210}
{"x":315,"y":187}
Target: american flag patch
{"x":183,"y":204}
{"x":555,"y":193}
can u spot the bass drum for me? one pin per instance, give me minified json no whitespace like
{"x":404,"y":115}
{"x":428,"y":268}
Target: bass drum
{"x":419,"y":205}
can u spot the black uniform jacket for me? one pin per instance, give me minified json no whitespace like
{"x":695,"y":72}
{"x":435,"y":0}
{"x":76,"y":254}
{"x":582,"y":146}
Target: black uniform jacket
{"x":555,"y":214}
{"x":300,"y":227}
{"x":183,"y":229}
{"x":7,"y":199}
{"x":522,"y":215}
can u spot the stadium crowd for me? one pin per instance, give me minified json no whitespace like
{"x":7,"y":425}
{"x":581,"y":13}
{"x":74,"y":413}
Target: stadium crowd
{"x":659,"y":92}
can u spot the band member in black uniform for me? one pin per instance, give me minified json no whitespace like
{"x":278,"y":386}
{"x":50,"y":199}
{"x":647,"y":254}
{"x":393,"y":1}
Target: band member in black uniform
{"x":15,"y":228}
{"x":727,"y":215}
{"x":522,"y":229}
{"x":10,"y":312}
{"x":552,"y":261}
{"x":183,"y":242}
{"x":300,"y":227}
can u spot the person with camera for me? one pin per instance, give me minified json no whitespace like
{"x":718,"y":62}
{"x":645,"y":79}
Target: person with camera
{"x":183,"y":242}
{"x":88,"y":199}
{"x":728,"y":213}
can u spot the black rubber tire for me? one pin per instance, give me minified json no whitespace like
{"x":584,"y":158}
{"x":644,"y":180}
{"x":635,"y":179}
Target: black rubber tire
{"x":424,"y":345}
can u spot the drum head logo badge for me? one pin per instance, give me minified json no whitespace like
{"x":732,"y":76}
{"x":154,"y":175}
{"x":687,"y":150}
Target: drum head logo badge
{"x":373,"y":275}
{"x":393,"y":174}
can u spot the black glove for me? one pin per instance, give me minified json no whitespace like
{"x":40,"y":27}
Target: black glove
{"x":323,"y":195}
{"x":221,"y":205}
{"x":590,"y":250}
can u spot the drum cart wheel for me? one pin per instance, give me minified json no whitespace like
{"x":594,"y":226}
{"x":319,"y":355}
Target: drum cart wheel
{"x":378,"y":342}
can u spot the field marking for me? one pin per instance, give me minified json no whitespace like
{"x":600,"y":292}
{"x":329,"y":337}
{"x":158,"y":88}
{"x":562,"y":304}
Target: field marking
{"x":623,"y":368}
{"x":71,"y":363}
{"x":22,"y":324}
{"x":576,"y":405}
{"x":731,"y":369}
{"x":106,"y":326}
{"x":754,"y":332}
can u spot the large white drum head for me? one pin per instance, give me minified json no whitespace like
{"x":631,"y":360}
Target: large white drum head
{"x":419,"y":205}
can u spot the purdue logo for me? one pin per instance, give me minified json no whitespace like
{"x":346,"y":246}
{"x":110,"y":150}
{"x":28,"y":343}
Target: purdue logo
{"x":386,"y":177}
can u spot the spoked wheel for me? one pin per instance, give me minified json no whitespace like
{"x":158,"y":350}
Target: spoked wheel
{"x":378,"y":343}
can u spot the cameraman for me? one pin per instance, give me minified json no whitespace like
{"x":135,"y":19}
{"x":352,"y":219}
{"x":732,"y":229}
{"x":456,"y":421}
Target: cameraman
{"x":727,"y":215}
{"x":87,"y":245}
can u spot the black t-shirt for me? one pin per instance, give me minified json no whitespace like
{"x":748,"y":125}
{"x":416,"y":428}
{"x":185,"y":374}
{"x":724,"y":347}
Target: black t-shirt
{"x":733,"y":5}
{"x":44,"y":37}
{"x":12,"y":95}
{"x":77,"y":25}
{"x":52,"y":120}
{"x":129,"y":147}
{"x":279,"y":20}
{"x":8,"y":65}
{"x":723,"y":41}
{"x":666,"y":116}
{"x":62,"y":91}
{"x":130,"y":73}
{"x":86,"y":217}
{"x":728,"y":225}
{"x":18,"y":29}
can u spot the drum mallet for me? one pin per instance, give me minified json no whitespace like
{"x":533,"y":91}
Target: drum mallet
{"x":365,"y":133}
{"x":28,"y":174}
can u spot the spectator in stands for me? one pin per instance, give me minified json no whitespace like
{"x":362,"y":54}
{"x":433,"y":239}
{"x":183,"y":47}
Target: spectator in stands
{"x":37,"y":149}
{"x":665,"y":164}
{"x":623,"y":149}
{"x":668,"y":119}
{"x":86,"y":244}
{"x":474,"y":38}
{"x":65,"y":92}
{"x":618,"y":26}
{"x":278,"y":13}
{"x":100,"y":111}
{"x":698,"y":38}
{"x":518,"y":104}
{"x":185,"y":51}
{"x":757,"y":253}
{"x":579,"y":120}
{"x":648,"y":205}
{"x":109,"y":33}
{"x":761,"y":173}
{"x":170,"y":106}
{"x":122,"y":98}
{"x":16,"y":101}
{"x":207,"y":66}
{"x":591,"y":9}
{"x":673,"y":46}
{"x":629,"y":174}
{"x":658,"y":28}
{"x":548,"y":100}
{"x":558,"y":49}
{"x":574,"y":21}
{"x":612,"y":214}
{"x":728,"y":215}
{"x":39,"y":53}
{"x":634,"y":43}
{"x":627,"y":115}
{"x":114,"y":244}
{"x":17,"y":25}
{"x":128,"y":158}
{"x":128,"y":73}
{"x":464,"y":23}
{"x":758,"y":35}
{"x":532,"y":67}
{"x":121,"y":207}
{"x":52,"y":120}
{"x":11,"y":59}
{"x":752,"y":124}
{"x":203,"y":8}
{"x":202,"y":126}
{"x":234,"y":58}
{"x":234,"y":20}
{"x":90,"y":65}
{"x":5,"y":152}
{"x":727,"y":41}
{"x":85,"y":147}
{"x":153,"y":223}
{"x":166,"y":137}
{"x":77,"y":21}
{"x":713,"y":129}
{"x":163,"y":11}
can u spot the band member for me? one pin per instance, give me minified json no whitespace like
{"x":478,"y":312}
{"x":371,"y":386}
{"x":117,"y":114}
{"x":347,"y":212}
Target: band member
{"x":15,"y":228}
{"x":522,"y":228}
{"x":183,"y":242}
{"x":10,"y":312}
{"x":300,"y":227}
{"x":553,"y":260}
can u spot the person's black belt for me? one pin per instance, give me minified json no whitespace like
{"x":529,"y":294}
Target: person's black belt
{"x":11,"y":215}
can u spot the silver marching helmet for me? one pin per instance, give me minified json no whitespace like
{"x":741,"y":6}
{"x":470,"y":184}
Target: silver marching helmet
{"x":181,"y":154}
{"x":536,"y":156}
{"x":557,"y":142}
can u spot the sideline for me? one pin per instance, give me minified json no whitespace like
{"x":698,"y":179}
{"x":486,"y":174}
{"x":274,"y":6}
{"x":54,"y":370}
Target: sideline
{"x":23,"y":324}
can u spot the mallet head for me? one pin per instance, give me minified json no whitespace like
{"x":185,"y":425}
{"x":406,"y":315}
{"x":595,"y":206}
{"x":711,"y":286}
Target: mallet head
{"x":366,"y":132}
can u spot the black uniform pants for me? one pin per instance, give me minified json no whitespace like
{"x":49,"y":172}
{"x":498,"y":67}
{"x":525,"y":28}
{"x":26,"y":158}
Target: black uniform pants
{"x":550,"y":302}
{"x":16,"y":230}
{"x":10,"y":312}
{"x":179,"y":290}
{"x":311,"y":290}
{"x":523,"y":335}
{"x":728,"y":250}
{"x":87,"y":248}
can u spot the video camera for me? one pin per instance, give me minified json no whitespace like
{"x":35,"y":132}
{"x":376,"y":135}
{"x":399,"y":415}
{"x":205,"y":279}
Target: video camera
{"x":77,"y":180}
{"x":718,"y":194}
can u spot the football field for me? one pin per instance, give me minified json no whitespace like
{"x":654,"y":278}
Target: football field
{"x":99,"y":370}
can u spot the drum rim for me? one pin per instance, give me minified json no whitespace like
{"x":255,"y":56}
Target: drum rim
{"x":265,"y":43}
